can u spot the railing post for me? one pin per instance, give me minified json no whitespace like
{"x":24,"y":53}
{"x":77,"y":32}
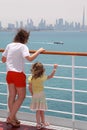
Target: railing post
{"x":73,"y":94}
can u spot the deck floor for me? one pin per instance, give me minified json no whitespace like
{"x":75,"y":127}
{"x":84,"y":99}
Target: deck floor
{"x":26,"y":125}
{"x":4,"y":126}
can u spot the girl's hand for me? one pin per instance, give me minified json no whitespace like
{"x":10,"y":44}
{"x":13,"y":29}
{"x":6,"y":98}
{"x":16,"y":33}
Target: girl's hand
{"x":55,"y":66}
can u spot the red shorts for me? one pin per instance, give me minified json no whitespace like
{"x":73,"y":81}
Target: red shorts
{"x":16,"y":78}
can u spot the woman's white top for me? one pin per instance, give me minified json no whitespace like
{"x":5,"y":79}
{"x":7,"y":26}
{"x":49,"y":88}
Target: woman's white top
{"x":15,"y":54}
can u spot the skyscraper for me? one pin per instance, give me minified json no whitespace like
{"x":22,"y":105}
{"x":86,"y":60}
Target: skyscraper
{"x":83,"y":19}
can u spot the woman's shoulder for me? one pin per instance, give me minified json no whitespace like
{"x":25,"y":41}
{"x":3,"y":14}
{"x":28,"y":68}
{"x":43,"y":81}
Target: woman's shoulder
{"x":24,"y":46}
{"x":19,"y":45}
{"x":9,"y":44}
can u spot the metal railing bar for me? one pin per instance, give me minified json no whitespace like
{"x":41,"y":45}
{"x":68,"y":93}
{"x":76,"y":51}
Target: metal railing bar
{"x":60,"y":112}
{"x":60,"y":100}
{"x":81,"y":67}
{"x":57,"y":53}
{"x":54,"y":99}
{"x":53,"y":88}
{"x":60,"y":77}
{"x":76,"y":114}
{"x":50,"y":110}
{"x":81,"y":91}
{"x":68,"y":101}
{"x":3,"y":72}
{"x":82,"y":103}
{"x":65,"y":66}
{"x":3,"y":83}
{"x":85,"y":79}
{"x":3,"y":94}
{"x":62,"y":89}
{"x":3,"y":104}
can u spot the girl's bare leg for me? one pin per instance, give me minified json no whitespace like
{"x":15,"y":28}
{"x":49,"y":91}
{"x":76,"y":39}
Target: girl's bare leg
{"x":42,"y":115}
{"x":38,"y":116}
{"x":38,"y":125}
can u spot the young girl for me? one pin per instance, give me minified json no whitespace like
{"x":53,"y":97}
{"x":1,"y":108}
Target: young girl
{"x":36,"y":89}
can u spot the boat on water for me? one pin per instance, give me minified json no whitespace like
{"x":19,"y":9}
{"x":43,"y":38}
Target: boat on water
{"x":60,"y":42}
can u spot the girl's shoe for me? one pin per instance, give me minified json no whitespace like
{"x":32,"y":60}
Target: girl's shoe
{"x":13,"y":123}
{"x":44,"y":124}
{"x":38,"y":126}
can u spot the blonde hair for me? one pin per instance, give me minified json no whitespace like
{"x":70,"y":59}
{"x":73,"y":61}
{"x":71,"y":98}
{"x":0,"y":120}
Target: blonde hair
{"x":37,"y":70}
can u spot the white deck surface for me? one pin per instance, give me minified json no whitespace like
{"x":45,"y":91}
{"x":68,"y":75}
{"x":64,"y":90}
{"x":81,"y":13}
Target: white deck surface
{"x":33,"y":124}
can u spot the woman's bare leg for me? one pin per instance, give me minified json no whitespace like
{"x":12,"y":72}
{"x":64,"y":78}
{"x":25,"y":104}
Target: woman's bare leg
{"x":20,"y":98}
{"x":12,"y":96}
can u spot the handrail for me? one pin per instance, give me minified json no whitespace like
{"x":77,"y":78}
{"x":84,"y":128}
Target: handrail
{"x":73,"y":113}
{"x":58,"y":53}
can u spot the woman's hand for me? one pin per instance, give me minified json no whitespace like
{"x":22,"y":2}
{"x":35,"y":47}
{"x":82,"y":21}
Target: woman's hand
{"x":41,"y":50}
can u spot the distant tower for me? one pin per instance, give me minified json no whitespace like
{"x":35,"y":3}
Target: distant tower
{"x":83,"y":20}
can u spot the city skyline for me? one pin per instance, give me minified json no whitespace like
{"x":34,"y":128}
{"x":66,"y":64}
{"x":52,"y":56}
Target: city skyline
{"x":60,"y":25}
{"x":17,"y":10}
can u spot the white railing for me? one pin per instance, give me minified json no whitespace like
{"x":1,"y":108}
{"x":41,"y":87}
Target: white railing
{"x":68,"y":122}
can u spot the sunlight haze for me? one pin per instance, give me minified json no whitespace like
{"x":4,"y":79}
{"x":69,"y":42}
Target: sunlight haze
{"x":49,"y":10}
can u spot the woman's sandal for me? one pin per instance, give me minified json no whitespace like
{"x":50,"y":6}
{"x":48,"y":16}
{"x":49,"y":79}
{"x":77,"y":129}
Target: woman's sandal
{"x":38,"y":126}
{"x":17,"y":121}
{"x":13,"y":123}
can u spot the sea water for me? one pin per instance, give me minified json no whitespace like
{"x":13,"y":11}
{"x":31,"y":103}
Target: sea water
{"x":73,"y":42}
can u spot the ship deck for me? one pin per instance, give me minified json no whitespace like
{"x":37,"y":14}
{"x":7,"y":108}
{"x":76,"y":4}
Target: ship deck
{"x":28,"y":126}
{"x":61,"y":119}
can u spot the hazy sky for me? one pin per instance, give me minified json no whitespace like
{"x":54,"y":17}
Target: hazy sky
{"x":50,"y":10}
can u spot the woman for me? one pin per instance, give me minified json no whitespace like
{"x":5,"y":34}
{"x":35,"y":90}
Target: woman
{"x":14,"y":56}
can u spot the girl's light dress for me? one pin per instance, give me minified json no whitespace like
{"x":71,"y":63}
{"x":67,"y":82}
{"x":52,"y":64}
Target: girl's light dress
{"x":38,"y":99}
